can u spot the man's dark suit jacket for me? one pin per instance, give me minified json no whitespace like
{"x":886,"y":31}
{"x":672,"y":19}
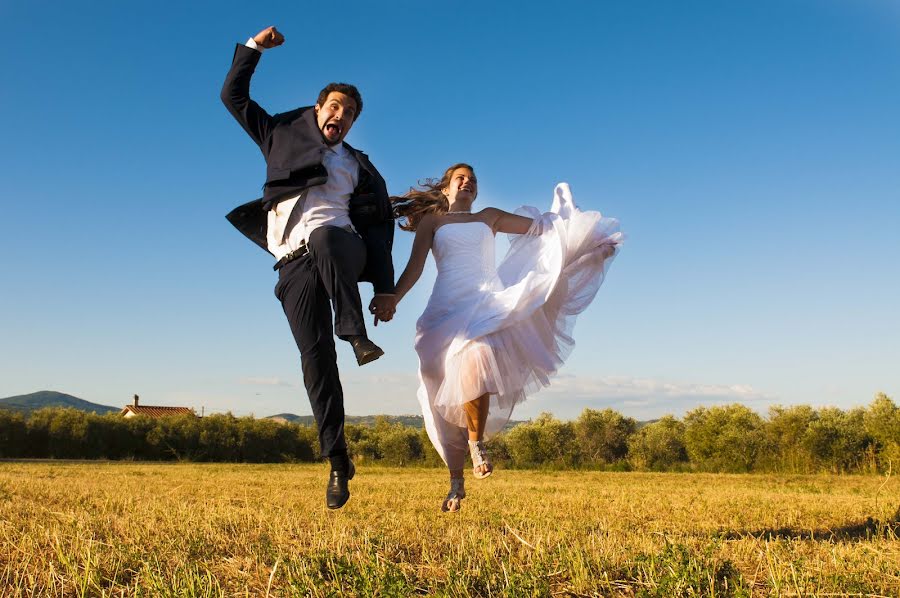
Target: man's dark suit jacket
{"x":293,"y":148}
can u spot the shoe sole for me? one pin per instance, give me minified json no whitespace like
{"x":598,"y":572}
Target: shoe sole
{"x":370,"y":357}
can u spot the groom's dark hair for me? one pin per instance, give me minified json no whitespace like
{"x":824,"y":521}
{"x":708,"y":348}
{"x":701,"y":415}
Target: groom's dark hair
{"x":344,"y":88}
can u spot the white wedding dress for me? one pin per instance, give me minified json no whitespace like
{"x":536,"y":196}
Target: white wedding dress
{"x":505,"y":329}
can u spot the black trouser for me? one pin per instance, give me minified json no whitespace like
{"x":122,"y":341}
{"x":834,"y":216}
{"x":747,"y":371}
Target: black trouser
{"x":306,"y":288}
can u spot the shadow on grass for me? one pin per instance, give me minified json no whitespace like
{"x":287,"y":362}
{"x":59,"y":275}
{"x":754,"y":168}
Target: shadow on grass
{"x":868,"y":530}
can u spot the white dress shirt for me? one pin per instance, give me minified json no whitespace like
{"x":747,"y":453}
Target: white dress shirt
{"x":289,"y":225}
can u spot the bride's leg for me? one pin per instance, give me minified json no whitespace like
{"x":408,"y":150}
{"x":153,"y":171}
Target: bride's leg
{"x":476,"y":416}
{"x":453,"y":502}
{"x":471,"y":381}
{"x":476,"y":412}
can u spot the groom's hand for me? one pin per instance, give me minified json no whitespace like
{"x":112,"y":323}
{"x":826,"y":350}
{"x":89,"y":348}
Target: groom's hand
{"x":607,"y":250}
{"x":384,"y":307}
{"x":269,"y":38}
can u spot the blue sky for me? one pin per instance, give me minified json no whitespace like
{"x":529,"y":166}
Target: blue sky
{"x":751,"y":151}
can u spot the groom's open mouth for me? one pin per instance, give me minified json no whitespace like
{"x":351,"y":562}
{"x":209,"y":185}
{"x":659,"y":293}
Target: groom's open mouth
{"x":333,"y":130}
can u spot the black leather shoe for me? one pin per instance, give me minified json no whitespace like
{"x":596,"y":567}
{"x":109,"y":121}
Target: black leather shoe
{"x":364,"y":349}
{"x":337,"y":494}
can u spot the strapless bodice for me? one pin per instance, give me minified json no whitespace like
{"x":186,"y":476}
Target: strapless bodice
{"x":464,"y":254}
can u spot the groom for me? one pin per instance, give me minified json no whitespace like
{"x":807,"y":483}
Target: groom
{"x":326,"y":217}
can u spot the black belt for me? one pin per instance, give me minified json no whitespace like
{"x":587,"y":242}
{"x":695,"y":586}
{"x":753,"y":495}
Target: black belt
{"x":295,"y":254}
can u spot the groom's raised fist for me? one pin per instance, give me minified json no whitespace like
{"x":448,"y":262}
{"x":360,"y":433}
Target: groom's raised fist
{"x":269,"y":38}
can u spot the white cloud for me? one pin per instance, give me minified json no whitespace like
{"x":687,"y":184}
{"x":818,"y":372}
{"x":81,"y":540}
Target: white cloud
{"x":387,"y":393}
{"x":394,"y":393}
{"x":262,"y":381}
{"x":643,"y":398}
{"x":386,"y":378}
{"x":622,"y":387}
{"x":566,"y":397}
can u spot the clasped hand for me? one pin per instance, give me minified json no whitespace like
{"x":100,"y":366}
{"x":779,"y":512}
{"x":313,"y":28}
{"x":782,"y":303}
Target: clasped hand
{"x":383,"y":307}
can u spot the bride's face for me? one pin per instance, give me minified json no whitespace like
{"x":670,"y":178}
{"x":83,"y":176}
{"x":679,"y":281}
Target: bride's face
{"x":463,"y":186}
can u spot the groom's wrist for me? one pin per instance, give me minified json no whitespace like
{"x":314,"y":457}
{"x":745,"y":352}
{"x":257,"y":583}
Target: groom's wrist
{"x":251,"y":43}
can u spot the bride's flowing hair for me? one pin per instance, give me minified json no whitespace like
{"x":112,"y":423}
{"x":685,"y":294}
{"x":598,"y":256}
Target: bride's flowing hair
{"x":427,"y":199}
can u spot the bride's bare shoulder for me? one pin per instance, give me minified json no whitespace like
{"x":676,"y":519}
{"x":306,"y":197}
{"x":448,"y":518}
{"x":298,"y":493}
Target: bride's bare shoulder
{"x":489,"y":215}
{"x":429,"y":222}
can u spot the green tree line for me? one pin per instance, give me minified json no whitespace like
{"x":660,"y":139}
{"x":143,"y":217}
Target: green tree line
{"x":729,"y":438}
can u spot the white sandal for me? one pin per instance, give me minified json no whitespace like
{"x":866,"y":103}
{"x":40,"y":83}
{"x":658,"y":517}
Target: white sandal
{"x":480,"y":457}
{"x":454,"y":498}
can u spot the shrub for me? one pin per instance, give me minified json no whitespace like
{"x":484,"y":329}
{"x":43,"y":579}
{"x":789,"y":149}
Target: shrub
{"x":658,"y":446}
{"x":726,"y":438}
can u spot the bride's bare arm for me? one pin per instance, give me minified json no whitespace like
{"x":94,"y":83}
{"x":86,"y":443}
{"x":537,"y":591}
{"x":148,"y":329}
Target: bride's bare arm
{"x":504,"y":222}
{"x":420,"y":248}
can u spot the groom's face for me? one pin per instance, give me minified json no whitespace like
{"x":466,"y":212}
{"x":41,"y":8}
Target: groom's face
{"x":335,"y":116}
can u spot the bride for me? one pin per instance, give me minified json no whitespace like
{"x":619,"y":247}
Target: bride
{"x":491,"y":334}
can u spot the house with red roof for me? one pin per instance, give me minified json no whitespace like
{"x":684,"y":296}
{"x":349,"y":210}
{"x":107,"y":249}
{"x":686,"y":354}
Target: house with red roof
{"x":136,"y":409}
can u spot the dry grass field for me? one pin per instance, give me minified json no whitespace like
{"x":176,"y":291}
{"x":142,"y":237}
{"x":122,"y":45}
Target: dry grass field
{"x":133,"y":529}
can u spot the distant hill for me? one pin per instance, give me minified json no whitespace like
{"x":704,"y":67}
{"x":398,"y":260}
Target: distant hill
{"x":49,"y":398}
{"x":414,"y":421}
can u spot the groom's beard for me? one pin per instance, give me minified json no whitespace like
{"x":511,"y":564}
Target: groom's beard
{"x":328,"y":141}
